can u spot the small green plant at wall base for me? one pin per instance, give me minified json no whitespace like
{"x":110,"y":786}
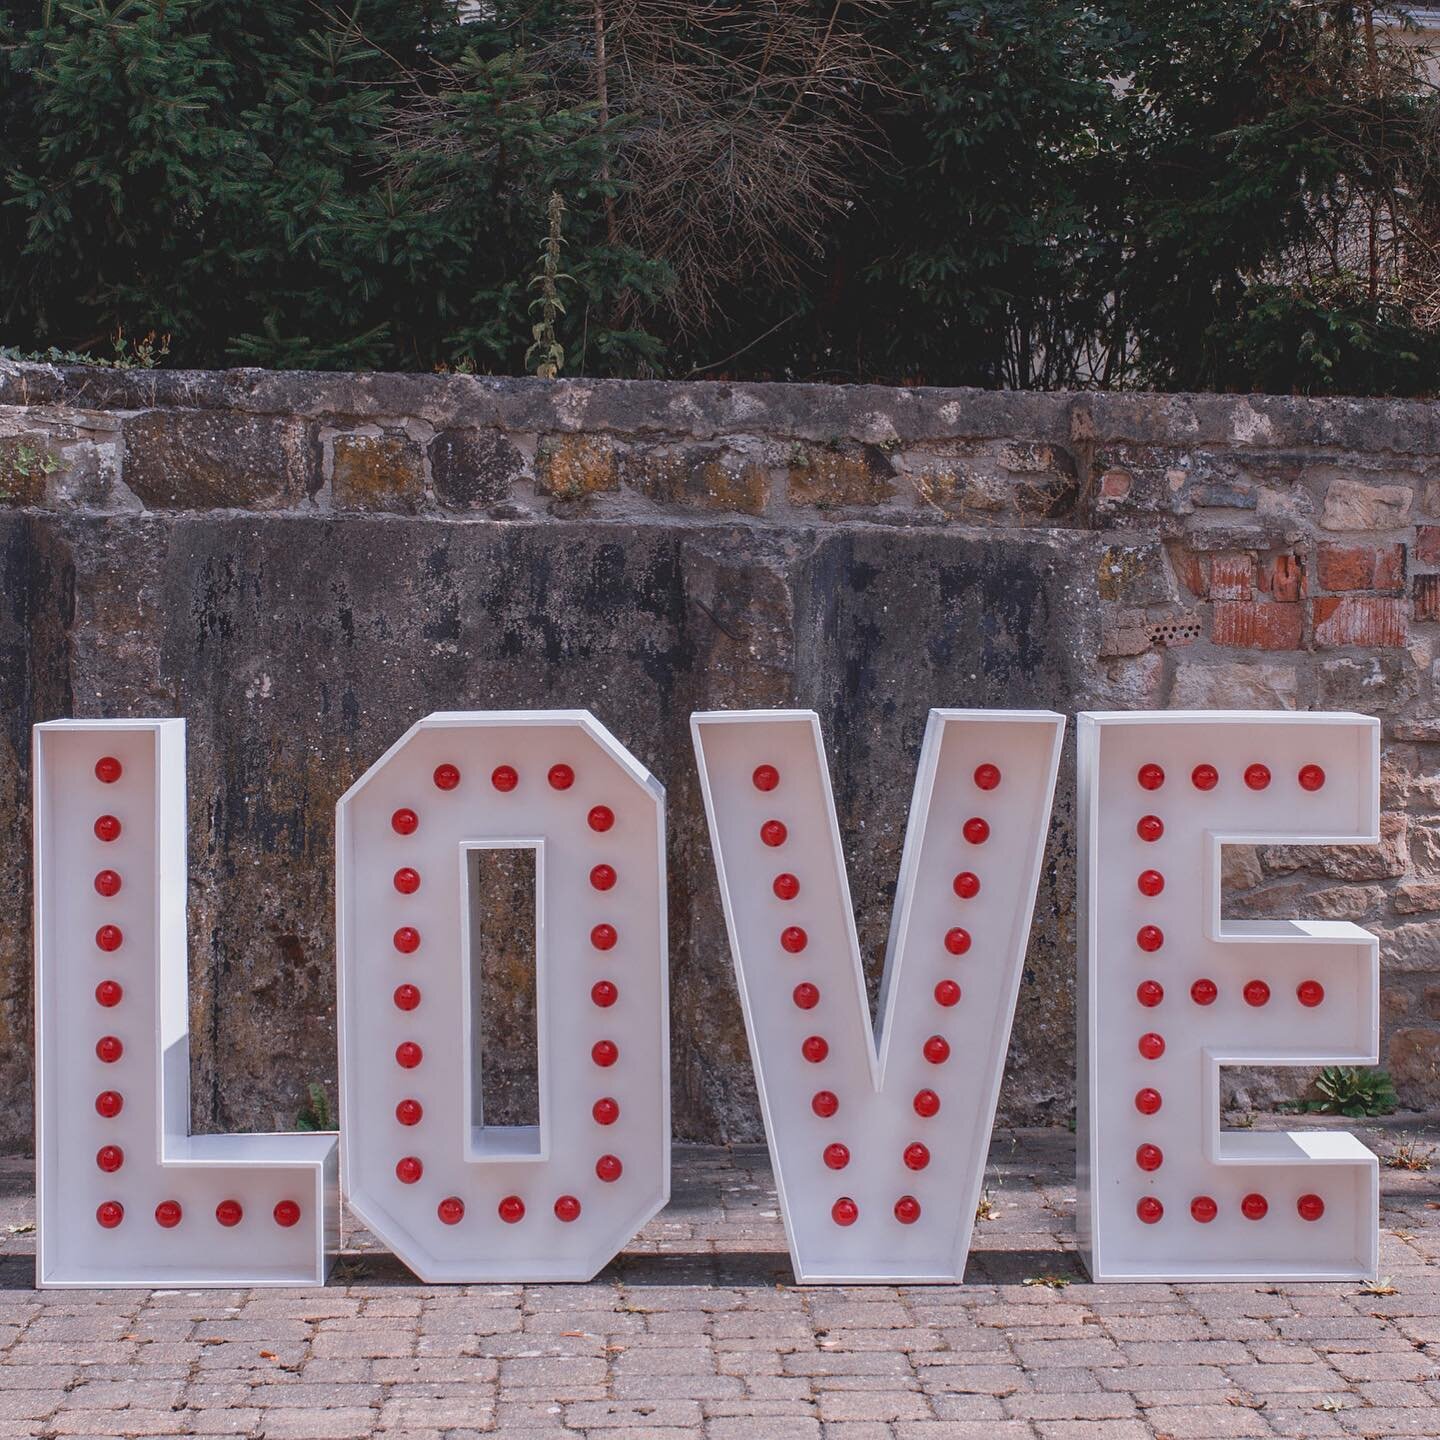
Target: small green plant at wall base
{"x":145,"y":354}
{"x":1411,"y":1155}
{"x":317,"y":1114}
{"x":1348,"y":1090}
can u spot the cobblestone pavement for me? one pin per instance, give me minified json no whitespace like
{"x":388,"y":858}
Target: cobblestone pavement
{"x":698,"y":1331}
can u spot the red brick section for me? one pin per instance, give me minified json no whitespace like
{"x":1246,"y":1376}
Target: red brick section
{"x":1232,"y":577}
{"x":1427,"y":544}
{"x":1258,"y":625}
{"x":1361,"y":567}
{"x":1427,"y":597}
{"x":1282,"y":577}
{"x":1359,"y":620}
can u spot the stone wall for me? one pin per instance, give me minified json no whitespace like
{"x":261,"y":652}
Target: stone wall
{"x":301,"y":565}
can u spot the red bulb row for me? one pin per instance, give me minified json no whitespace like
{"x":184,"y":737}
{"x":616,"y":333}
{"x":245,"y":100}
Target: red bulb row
{"x":846,"y":1212}
{"x":511,"y":1209}
{"x":1207,"y":777}
{"x":406,"y":820}
{"x":168,"y":1213}
{"x":1253,"y":1207}
{"x":108,"y":994}
{"x":916,"y":1156}
{"x":1309,"y":993}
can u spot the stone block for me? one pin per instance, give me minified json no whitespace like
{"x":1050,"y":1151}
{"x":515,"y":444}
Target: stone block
{"x":708,"y":477}
{"x":219,"y":460}
{"x":472,"y":469}
{"x":1366,"y":505}
{"x":1202,"y":685}
{"x":377,"y":472}
{"x":573,"y":467}
{"x":840,"y":475}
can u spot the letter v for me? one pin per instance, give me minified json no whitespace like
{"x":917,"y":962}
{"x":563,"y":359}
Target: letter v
{"x":879,"y":1151}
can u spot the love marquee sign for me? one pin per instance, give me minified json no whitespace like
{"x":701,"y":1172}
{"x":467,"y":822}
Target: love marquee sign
{"x":879,"y":1130}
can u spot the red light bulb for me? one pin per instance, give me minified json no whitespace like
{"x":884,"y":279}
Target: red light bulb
{"x":1310,"y":1207}
{"x":504,"y":778}
{"x":1204,"y":1209}
{"x":967,"y":885}
{"x":107,"y":883}
{"x":976,"y":830}
{"x":408,"y":1055}
{"x":109,"y":1103}
{"x":1151,"y":777}
{"x":604,"y":1053}
{"x":1150,"y":827}
{"x":936,"y":1049}
{"x":786,"y":887}
{"x":824,"y":1103}
{"x":1150,"y":993}
{"x":407,"y":939}
{"x":987,"y":776}
{"x":907,"y":1209}
{"x":168,"y":1214}
{"x":815,"y":1048}
{"x":407,"y":881}
{"x":926,"y":1103}
{"x":916,"y":1156}
{"x":947,"y":993}
{"x":1254,"y":1207}
{"x":844,"y":1211}
{"x":229,"y":1213}
{"x":409,"y":1112}
{"x":286,"y":1213}
{"x":1149,"y":1210}
{"x":1150,"y":938}
{"x":108,"y":769}
{"x":109,"y":1048}
{"x":109,"y":938}
{"x":606,"y":1111}
{"x":806,"y":995}
{"x":567,"y":1208}
{"x":107,"y":828}
{"x":109,"y":1214}
{"x":601,"y":818}
{"x":1152,"y":1046}
{"x":404,"y":821}
{"x":1311,"y":777}
{"x":446,"y":777}
{"x":1149,"y":1157}
{"x":1204,"y":777}
{"x":793,"y":939}
{"x":451,"y":1210}
{"x":1150,"y":882}
{"x":766,"y":777}
{"x":608,"y":1168}
{"x":604,"y":936}
{"x":773,"y":833}
{"x":837,"y":1156}
{"x":109,"y":993}
{"x":1257,"y":777}
{"x":408,"y":1169}
{"x":957,"y":941}
{"x":1310,"y":993}
{"x":1147,"y":1101}
{"x":1203,"y":992}
{"x":1256,"y":993}
{"x":561,"y":777}
{"x":604,"y":993}
{"x":109,"y":1158}
{"x":407,"y":997}
{"x":602,"y":877}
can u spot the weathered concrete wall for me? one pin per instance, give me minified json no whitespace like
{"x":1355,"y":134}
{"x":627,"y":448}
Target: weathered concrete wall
{"x":301,"y":565}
